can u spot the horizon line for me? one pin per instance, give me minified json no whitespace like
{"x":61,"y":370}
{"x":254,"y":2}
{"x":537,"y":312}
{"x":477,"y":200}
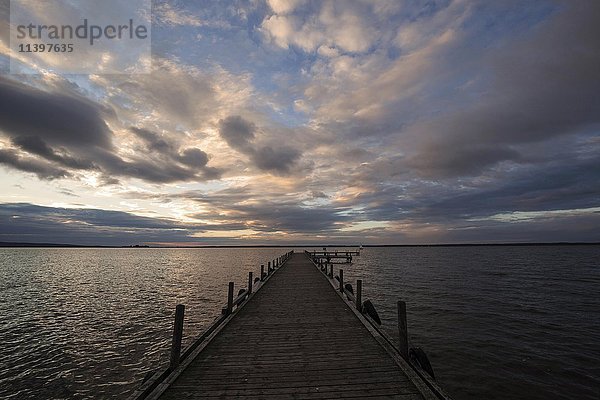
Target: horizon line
{"x":145,"y":246}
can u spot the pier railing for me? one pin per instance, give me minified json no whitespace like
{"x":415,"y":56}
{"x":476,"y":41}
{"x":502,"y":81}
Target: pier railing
{"x":234,"y":302}
{"x":415,"y":357}
{"x":333,"y":257}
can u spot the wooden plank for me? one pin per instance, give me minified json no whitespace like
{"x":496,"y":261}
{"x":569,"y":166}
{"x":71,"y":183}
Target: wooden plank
{"x":302,"y":392}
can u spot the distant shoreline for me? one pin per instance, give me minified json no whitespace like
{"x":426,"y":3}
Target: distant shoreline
{"x":62,"y":245}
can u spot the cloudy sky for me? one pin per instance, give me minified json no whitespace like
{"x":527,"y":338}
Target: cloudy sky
{"x":291,"y":121}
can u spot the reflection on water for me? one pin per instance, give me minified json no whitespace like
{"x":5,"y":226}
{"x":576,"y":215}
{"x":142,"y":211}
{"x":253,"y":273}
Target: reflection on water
{"x":496,"y":322}
{"x":89,"y":323}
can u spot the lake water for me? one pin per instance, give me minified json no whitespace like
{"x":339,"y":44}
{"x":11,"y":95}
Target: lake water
{"x":496,"y":322}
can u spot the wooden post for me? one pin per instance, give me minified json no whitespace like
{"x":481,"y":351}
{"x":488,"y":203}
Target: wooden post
{"x":177,"y":336}
{"x":341,"y":280}
{"x":269,"y":268}
{"x":262,"y":272}
{"x":331,"y":272}
{"x":359,"y":295}
{"x":230,"y":298}
{"x":250,"y":281}
{"x":403,"y":329}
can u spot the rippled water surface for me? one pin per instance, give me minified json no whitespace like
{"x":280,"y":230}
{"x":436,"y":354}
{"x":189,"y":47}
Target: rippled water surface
{"x":496,"y":322}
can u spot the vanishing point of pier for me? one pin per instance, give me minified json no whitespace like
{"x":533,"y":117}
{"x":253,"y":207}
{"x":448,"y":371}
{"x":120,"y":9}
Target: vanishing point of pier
{"x":294,"y":332}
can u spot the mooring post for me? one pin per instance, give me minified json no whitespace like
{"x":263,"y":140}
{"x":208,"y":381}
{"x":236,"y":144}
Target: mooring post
{"x":341,"y":280}
{"x":250,"y":281}
{"x":359,"y":295}
{"x":262,"y":272}
{"x":331,"y":271}
{"x":230,"y":298}
{"x":177,"y":336}
{"x":402,"y":329}
{"x":269,"y":268}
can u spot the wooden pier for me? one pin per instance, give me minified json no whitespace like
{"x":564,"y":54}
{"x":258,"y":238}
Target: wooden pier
{"x":295,"y":332}
{"x":333,"y":257}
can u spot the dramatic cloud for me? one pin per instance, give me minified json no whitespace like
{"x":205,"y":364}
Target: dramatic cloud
{"x":35,"y":145}
{"x":279,"y":159}
{"x":24,"y":222}
{"x":153,"y":141}
{"x":193,"y":157}
{"x":540,"y":87}
{"x":36,"y":120}
{"x":287,"y":215}
{"x":41,"y":169}
{"x":303,"y":121}
{"x":240,"y":134}
{"x":237,"y":132}
{"x":55,"y":118}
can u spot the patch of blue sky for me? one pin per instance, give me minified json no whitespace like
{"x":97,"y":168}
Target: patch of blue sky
{"x":287,"y":117}
{"x":495,"y":22}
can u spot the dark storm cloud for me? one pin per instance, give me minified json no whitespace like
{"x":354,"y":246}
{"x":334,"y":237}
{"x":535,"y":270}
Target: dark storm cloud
{"x":35,"y":145}
{"x":237,"y":132}
{"x":55,"y":118}
{"x":240,"y":134}
{"x":272,"y":217}
{"x":55,"y":127}
{"x":438,"y":161}
{"x":535,"y":88}
{"x":153,"y":140}
{"x":576,"y":228}
{"x":193,"y":157}
{"x":144,"y":169}
{"x":24,"y":222}
{"x":553,"y":186}
{"x":42,"y":169}
{"x":92,"y":217}
{"x":193,"y":161}
{"x":280,"y":159}
{"x":266,"y":214}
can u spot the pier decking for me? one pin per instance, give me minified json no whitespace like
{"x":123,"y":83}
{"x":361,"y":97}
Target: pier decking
{"x":295,"y":338}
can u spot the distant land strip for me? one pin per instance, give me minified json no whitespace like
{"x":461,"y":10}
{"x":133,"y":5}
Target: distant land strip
{"x":59,"y":245}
